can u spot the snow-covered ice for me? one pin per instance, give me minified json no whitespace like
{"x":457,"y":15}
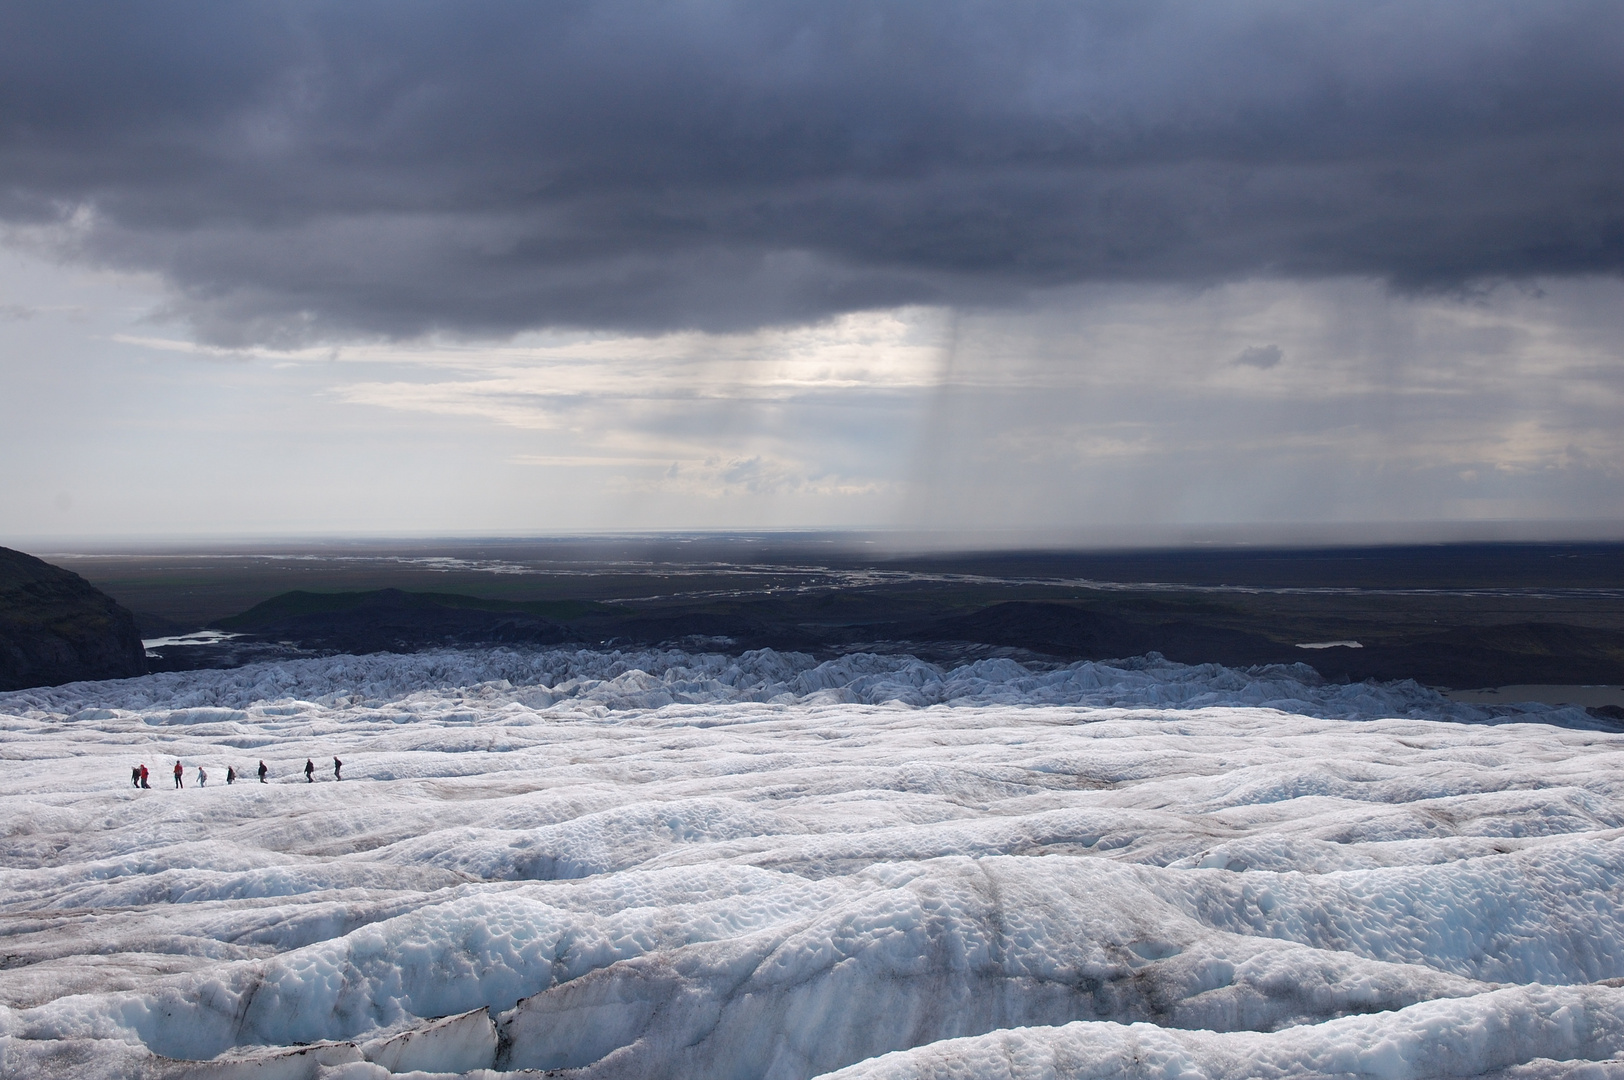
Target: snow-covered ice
{"x":655,"y":864}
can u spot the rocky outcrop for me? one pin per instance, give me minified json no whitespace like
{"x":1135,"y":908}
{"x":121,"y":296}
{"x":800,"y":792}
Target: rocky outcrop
{"x":56,"y":627}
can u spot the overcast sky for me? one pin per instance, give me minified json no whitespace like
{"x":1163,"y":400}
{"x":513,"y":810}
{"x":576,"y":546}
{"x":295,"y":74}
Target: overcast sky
{"x":1042,"y":270}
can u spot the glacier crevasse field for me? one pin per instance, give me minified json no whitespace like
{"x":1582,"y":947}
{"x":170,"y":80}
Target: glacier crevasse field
{"x":650,"y":865}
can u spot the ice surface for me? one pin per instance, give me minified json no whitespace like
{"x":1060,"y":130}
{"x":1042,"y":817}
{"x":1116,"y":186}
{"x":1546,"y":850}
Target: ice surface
{"x":663,"y":865}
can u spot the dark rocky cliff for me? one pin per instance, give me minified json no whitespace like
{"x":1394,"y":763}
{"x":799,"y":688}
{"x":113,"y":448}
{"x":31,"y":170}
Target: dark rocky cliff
{"x":56,"y":627}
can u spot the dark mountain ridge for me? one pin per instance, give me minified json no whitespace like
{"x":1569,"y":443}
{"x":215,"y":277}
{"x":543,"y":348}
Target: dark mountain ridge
{"x":56,"y":627}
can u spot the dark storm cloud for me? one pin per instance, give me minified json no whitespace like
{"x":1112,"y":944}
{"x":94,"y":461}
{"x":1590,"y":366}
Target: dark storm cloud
{"x":303,"y":170}
{"x":1263,"y":357}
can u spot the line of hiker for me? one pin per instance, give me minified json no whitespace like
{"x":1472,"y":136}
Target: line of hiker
{"x":139,"y":776}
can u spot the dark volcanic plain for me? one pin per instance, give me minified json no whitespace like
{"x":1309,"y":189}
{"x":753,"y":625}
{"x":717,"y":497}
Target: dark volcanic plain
{"x":1453,"y":616}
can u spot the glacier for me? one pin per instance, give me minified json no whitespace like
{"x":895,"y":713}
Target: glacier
{"x":656,"y":864}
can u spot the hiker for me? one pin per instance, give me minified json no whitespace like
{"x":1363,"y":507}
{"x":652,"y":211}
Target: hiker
{"x":337,"y":765}
{"x":135,"y":776}
{"x":262,"y":771}
{"x":144,"y":778}
{"x":178,"y":771}
{"x":231,"y":776}
{"x":310,"y":771}
{"x":202,"y":777}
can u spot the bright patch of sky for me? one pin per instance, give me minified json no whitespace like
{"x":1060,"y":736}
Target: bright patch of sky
{"x":1092,"y":408}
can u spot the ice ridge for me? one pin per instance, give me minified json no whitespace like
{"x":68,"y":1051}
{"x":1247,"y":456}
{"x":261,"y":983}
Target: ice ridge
{"x":651,"y":679}
{"x":659,"y":865}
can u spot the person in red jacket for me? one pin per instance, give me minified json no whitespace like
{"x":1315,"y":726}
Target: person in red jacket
{"x":144,"y":777}
{"x":178,"y":771}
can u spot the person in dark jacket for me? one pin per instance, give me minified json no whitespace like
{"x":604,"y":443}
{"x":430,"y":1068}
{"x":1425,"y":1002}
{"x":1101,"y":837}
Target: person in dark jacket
{"x":310,"y":771}
{"x":337,"y":765}
{"x":135,"y":776}
{"x":231,"y":775}
{"x":262,"y":771}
